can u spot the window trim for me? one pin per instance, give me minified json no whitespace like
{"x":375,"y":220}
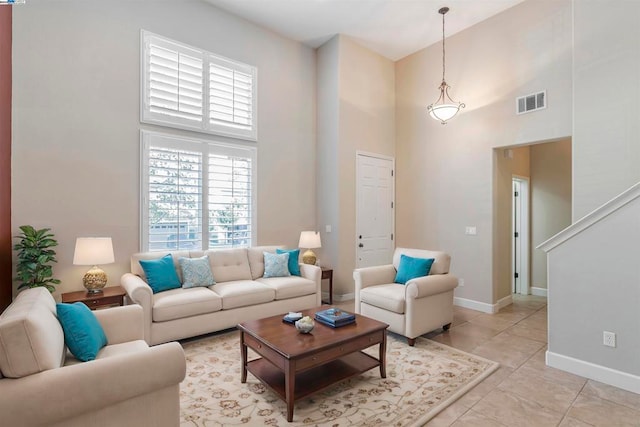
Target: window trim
{"x":205,"y":147}
{"x":204,"y":126}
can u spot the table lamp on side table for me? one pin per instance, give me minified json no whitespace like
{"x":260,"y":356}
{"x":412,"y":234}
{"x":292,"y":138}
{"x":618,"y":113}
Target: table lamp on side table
{"x":94,"y":251}
{"x":309,"y":240}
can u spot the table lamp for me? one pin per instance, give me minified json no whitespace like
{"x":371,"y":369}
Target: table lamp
{"x":309,"y":240}
{"x":93,"y":251}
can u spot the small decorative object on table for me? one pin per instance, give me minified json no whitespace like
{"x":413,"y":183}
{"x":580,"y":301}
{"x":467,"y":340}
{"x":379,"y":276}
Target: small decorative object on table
{"x":305,"y":325}
{"x":292,"y":317}
{"x":335,"y":317}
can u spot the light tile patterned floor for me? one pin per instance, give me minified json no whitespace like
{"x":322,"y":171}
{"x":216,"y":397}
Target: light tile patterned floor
{"x":524,"y":391}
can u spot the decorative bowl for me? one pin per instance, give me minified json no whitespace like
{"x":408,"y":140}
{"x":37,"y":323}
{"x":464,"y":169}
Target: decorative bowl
{"x":305,"y":325}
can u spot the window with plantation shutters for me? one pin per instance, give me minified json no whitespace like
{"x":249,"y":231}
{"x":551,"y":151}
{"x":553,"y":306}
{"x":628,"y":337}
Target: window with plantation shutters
{"x":196,"y":194}
{"x":189,"y":88}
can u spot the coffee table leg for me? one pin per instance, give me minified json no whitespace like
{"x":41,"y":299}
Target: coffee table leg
{"x":290,"y":382}
{"x":243,"y":352}
{"x":383,"y":355}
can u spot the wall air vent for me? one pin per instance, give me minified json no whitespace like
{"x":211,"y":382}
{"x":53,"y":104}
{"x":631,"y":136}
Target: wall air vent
{"x":532,"y":102}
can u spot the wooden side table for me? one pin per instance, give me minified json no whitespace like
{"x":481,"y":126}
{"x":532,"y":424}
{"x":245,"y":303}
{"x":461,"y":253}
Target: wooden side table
{"x":327,"y":273}
{"x":111,"y":296}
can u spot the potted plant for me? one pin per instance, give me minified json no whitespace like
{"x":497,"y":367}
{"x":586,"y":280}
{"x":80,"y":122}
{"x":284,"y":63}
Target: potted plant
{"x":34,"y":256}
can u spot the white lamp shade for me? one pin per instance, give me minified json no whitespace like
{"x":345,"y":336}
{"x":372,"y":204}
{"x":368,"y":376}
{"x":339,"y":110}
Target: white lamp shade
{"x":443,"y":112}
{"x":309,"y":240}
{"x":93,"y":251}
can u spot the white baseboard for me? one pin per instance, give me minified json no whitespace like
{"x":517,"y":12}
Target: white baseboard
{"x":483,"y":306}
{"x":339,"y":298}
{"x":540,"y":292}
{"x":590,"y":370}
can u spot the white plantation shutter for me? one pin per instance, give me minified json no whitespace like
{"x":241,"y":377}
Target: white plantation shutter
{"x":196,"y":194}
{"x":173,"y":83}
{"x":230,"y":198}
{"x":231,"y":97}
{"x":181,"y":89}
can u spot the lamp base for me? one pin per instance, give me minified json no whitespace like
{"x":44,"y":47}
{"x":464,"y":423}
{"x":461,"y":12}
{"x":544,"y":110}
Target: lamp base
{"x":309,"y":257}
{"x":94,"y":280}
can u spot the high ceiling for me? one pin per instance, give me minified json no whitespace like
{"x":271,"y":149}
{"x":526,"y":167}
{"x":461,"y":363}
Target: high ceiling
{"x":393,"y":28}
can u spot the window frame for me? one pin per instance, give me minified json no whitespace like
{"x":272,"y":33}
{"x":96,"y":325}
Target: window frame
{"x":205,"y":148}
{"x":205,"y":125}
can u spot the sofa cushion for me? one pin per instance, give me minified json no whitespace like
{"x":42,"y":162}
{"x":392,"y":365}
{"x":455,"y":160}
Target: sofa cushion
{"x":196,"y":272}
{"x":240,"y":293}
{"x":161,"y":273}
{"x":276,"y":265}
{"x":294,"y":260}
{"x":83,"y":334}
{"x":31,"y":338}
{"x":390,"y":297}
{"x":290,"y":287}
{"x":256,"y":259}
{"x":229,"y":264}
{"x":136,"y":268}
{"x":112,"y":350}
{"x":179,"y":303}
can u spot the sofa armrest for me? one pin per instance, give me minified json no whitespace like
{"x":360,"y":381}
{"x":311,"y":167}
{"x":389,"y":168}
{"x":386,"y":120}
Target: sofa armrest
{"x":72,"y":390}
{"x":421,"y":287}
{"x":313,"y":272}
{"x":122,"y":324}
{"x":140,"y":293}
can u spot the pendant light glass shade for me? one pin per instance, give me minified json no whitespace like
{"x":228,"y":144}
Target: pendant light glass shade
{"x":444,"y":108}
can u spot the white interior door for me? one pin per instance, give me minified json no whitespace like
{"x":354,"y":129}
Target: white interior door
{"x":374,"y":210}
{"x":520,"y":236}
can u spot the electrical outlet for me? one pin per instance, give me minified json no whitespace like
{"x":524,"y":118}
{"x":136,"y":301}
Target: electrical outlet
{"x":609,"y":339}
{"x":460,"y":282}
{"x":327,"y":228}
{"x":470,"y":230}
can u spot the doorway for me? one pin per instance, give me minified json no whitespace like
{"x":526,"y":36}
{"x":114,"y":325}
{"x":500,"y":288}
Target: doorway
{"x":375,"y":186}
{"x":520,"y":235}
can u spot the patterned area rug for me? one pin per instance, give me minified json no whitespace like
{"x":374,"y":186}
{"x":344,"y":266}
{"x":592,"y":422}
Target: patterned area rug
{"x":421,"y":381}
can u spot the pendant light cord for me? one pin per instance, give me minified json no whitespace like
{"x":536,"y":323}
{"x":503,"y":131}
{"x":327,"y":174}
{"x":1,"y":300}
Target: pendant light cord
{"x":443,"y":46}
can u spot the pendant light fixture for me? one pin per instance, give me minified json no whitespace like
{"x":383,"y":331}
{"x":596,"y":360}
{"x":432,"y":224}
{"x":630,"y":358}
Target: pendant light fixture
{"x":444,"y":108}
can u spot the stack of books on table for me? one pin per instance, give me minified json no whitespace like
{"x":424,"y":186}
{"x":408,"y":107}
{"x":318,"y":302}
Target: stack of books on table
{"x":335,"y":317}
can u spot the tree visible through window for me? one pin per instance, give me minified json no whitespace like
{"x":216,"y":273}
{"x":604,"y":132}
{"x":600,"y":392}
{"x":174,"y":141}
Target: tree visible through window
{"x":190,"y":203}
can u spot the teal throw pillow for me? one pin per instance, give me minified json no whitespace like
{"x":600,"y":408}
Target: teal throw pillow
{"x":196,"y":272}
{"x":83,"y":333}
{"x":161,"y":274}
{"x":410,"y":268}
{"x":294,"y":256}
{"x":276,"y":265}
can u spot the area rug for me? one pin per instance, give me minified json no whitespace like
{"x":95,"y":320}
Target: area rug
{"x":421,"y":381}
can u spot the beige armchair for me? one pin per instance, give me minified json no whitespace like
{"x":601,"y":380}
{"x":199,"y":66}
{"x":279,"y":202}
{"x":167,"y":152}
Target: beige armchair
{"x":129,"y":383}
{"x":421,"y":305}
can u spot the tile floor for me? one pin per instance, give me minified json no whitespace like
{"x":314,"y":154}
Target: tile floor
{"x":524,"y":391}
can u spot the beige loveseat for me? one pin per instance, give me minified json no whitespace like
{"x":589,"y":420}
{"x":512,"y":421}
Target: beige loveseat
{"x":129,"y":383}
{"x":420,"y":306}
{"x":240,"y":293}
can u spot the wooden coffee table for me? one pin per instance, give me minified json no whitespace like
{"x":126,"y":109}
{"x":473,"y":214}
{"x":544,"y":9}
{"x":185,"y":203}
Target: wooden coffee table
{"x":295,"y":365}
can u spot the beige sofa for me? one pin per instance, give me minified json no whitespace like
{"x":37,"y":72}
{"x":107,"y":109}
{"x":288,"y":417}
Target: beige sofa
{"x":420,"y":306}
{"x":240,"y":293}
{"x":129,"y":383}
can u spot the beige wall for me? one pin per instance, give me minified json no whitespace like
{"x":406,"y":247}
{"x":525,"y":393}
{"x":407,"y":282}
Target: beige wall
{"x":76,"y":95}
{"x":550,"y":200}
{"x":606,"y":92}
{"x":508,"y":162}
{"x":365,"y":121}
{"x":445,"y":173}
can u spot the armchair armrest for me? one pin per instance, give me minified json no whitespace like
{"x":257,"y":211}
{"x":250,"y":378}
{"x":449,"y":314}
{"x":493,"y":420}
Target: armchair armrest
{"x":122,"y":324}
{"x":89,"y":386}
{"x":140,"y":292}
{"x":313,"y":272}
{"x":371,"y":276}
{"x":421,"y":287}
